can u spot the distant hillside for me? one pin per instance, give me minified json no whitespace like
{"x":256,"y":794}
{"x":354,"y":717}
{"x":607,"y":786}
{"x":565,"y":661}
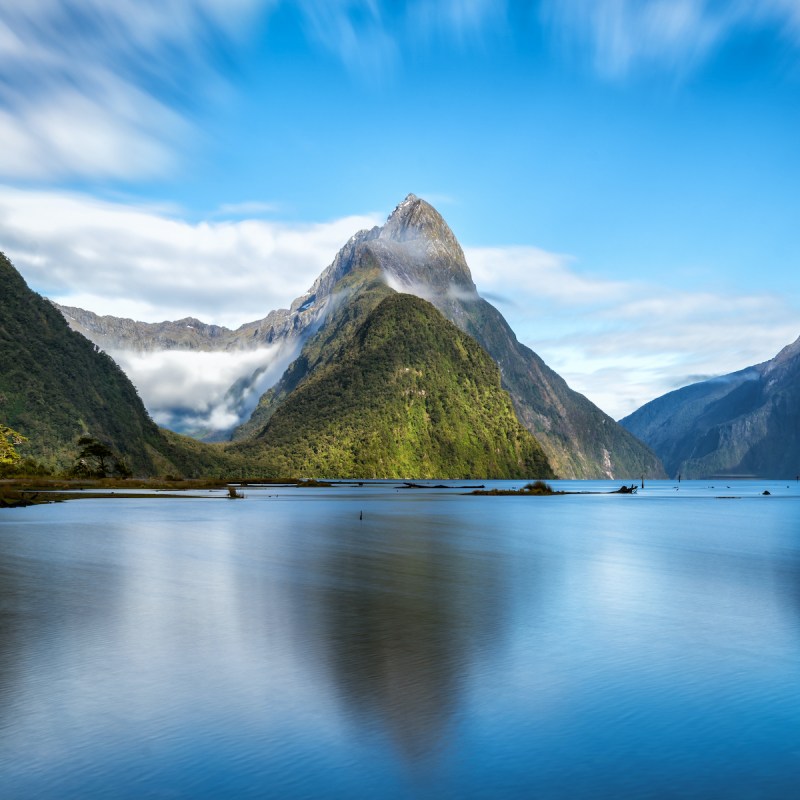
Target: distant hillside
{"x":392,"y":389}
{"x":745,"y":423}
{"x":55,"y":387}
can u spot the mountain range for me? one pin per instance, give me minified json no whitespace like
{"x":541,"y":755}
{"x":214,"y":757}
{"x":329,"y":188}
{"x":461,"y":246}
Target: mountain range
{"x":414,"y":253}
{"x":391,"y":365}
{"x":743,"y":424}
{"x":399,"y":391}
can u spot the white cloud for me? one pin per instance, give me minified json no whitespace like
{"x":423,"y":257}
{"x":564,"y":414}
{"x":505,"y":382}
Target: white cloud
{"x":144,"y":264}
{"x":100,"y":134}
{"x":505,"y":270}
{"x":678,"y":34}
{"x":190,"y":389}
{"x":82,"y":82}
{"x":623,"y":343}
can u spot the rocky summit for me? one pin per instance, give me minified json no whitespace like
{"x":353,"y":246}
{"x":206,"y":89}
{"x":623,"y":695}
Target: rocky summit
{"x":415,"y":252}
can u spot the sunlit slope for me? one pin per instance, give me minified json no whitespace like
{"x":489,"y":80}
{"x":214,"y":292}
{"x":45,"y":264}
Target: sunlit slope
{"x":400,"y":392}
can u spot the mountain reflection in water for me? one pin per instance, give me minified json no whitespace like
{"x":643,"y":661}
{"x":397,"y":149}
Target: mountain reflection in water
{"x":398,"y":615}
{"x":361,"y":642}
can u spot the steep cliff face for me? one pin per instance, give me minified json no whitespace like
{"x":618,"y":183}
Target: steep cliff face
{"x":746,"y":423}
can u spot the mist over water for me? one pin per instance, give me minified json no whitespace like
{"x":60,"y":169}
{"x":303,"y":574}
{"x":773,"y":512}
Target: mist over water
{"x":372,"y":641}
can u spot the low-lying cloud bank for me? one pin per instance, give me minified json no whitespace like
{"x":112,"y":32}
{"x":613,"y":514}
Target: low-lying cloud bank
{"x":191,"y":392}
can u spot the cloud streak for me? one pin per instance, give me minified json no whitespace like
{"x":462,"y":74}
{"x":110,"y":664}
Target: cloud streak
{"x":679,"y":35}
{"x":145,"y":264}
{"x":112,"y":91}
{"x":91,"y":88}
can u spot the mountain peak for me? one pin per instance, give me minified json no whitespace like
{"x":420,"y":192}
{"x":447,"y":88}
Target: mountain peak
{"x":418,"y":249}
{"x":415,"y":218}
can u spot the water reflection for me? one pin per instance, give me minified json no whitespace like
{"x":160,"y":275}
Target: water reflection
{"x":11,"y":628}
{"x":53,"y":600}
{"x":398,"y":611}
{"x":441,"y":647}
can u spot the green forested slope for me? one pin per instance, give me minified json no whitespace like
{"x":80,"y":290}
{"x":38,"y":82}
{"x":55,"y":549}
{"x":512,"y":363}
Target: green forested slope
{"x":399,"y":392}
{"x":55,"y":386}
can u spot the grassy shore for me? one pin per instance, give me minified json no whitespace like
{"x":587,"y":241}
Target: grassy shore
{"x":18,"y":492}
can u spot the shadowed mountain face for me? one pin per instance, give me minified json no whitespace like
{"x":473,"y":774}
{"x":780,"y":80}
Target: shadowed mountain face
{"x":743,"y":424}
{"x":55,"y":386}
{"x":415,"y":252}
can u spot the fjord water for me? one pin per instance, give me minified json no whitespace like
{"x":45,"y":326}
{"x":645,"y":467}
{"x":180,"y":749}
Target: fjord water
{"x":364,"y":641}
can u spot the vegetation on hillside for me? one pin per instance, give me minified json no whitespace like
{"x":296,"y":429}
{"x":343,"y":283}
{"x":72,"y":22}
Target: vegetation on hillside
{"x":56,"y":387}
{"x":396,"y":392}
{"x":9,"y":441}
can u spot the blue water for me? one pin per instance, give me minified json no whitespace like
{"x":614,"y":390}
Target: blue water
{"x":372,"y":641}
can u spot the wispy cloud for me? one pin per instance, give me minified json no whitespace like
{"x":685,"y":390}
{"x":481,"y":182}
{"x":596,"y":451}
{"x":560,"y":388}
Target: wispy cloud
{"x":371,"y":36}
{"x":110,"y":90}
{"x":98,"y":89}
{"x":462,"y":20}
{"x":621,"y":35}
{"x":356,"y":31}
{"x":146,"y":264}
{"x":624,"y":342}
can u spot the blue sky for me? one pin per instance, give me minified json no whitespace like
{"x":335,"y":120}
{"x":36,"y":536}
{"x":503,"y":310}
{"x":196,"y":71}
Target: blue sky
{"x":622,"y":175}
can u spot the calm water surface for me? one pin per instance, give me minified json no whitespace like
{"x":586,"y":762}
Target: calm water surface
{"x":442,"y":646}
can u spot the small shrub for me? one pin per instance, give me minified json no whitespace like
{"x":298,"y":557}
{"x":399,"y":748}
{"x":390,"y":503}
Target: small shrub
{"x":538,"y":487}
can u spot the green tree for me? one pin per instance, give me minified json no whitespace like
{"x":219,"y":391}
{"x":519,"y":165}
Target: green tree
{"x":95,"y":457}
{"x":9,"y":440}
